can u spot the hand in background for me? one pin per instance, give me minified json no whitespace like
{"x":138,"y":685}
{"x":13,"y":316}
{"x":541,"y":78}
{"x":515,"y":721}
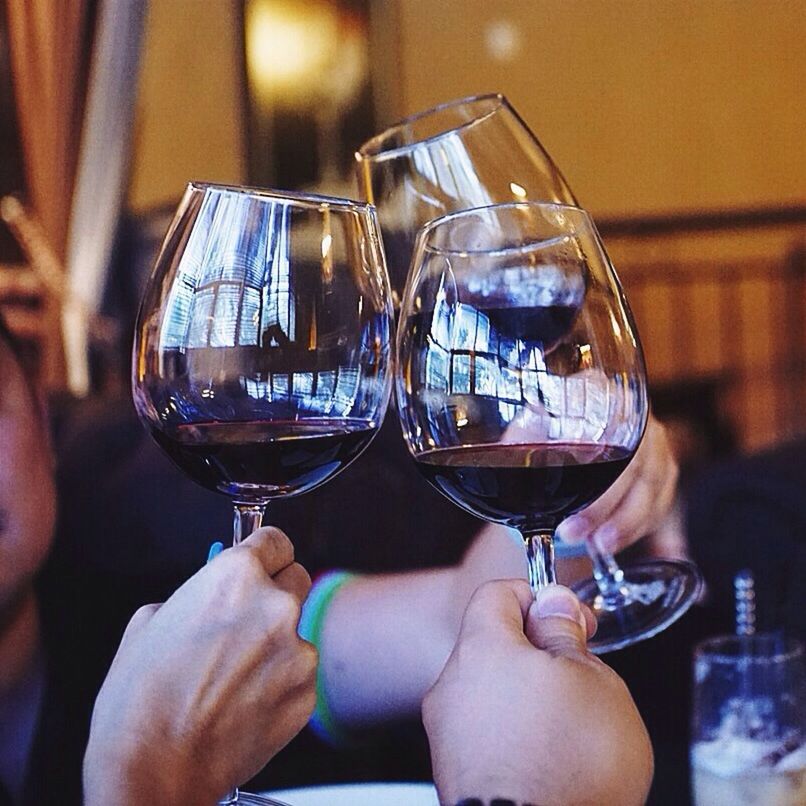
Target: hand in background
{"x":207,"y":687}
{"x":523,"y":711}
{"x":636,"y":504}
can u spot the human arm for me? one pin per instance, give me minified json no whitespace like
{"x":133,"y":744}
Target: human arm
{"x":207,"y":687}
{"x":386,"y":638}
{"x":523,"y":711}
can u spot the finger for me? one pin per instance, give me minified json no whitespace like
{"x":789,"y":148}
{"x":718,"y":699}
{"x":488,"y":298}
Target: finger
{"x":495,"y":606}
{"x":579,"y":527}
{"x":646,"y":504}
{"x":142,"y":616}
{"x":591,"y":624}
{"x":631,"y":521}
{"x":272,"y":547}
{"x":555,"y":622}
{"x":294,"y":579}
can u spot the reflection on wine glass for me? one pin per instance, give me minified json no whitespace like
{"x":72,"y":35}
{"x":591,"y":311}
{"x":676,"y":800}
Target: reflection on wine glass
{"x":263,"y":342}
{"x":471,"y":153}
{"x":521,"y":387}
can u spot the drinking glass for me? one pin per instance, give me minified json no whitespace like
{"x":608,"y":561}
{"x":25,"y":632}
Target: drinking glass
{"x":749,"y":722}
{"x":262,"y":348}
{"x":521,"y":386}
{"x":471,"y":153}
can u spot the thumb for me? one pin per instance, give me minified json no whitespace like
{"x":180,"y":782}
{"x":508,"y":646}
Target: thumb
{"x":556,"y":624}
{"x":497,"y":608}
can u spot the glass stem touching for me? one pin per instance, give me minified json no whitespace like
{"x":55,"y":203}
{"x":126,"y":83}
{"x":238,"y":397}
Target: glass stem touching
{"x":540,"y":557}
{"x":613,"y":590}
{"x":248,"y":517}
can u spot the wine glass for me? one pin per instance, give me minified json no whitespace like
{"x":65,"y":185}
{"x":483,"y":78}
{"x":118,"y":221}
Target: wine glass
{"x":466,"y":153}
{"x":262,"y":348}
{"x":522,"y":391}
{"x":471,"y":153}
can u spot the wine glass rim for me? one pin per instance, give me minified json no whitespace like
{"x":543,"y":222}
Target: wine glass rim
{"x":779,"y":649}
{"x":291,"y":197}
{"x":435,"y":223}
{"x":372,"y":149}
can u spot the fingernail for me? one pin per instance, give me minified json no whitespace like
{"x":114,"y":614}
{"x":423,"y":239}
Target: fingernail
{"x":574,"y":529}
{"x":556,"y":601}
{"x":606,"y":538}
{"x":215,"y":550}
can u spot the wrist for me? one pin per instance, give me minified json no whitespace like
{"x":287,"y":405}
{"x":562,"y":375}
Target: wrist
{"x":510,"y":789}
{"x":491,"y":802}
{"x":120,"y":778}
{"x":311,"y":626}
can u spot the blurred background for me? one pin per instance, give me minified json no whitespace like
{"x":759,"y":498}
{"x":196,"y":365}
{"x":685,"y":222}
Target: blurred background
{"x":679,"y":124}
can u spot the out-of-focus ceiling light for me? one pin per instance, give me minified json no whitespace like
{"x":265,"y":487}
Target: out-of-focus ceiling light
{"x":503,"y":40}
{"x":288,"y":45}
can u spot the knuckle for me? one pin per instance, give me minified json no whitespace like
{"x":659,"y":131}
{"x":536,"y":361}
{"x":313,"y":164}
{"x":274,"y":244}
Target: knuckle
{"x":487,"y":589}
{"x":304,"y":576}
{"x":248,"y":562}
{"x":279,"y":540}
{"x":142,"y":615}
{"x":285,"y":608}
{"x":146,"y":611}
{"x":306,"y":704}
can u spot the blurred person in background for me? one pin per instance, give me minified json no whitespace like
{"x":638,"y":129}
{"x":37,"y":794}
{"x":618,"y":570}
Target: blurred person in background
{"x":60,"y":622}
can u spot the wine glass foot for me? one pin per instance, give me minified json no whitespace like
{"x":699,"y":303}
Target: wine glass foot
{"x":657,"y":593}
{"x":247,"y":799}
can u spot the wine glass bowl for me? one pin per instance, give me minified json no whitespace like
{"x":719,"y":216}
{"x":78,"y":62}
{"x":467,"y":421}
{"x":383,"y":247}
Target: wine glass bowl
{"x":262,"y":345}
{"x":466,"y":153}
{"x":520,"y":380}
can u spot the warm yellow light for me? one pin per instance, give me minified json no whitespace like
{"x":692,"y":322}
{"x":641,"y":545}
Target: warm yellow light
{"x":517,"y":190}
{"x":287,"y":46}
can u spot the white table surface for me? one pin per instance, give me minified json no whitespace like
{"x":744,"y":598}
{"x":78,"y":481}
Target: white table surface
{"x":380,"y":794}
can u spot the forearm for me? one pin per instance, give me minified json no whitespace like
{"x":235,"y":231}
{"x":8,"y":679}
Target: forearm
{"x":383,"y":643}
{"x":386,"y":638}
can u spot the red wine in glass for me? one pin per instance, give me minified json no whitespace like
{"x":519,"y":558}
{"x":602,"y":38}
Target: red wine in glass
{"x":524,"y":486}
{"x":259,"y":460}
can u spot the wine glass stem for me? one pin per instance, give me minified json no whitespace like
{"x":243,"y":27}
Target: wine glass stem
{"x":248,"y":517}
{"x":540,"y":556}
{"x":609,"y":579}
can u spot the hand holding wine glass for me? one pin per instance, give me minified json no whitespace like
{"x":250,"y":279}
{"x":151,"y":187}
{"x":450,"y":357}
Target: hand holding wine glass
{"x":566,"y":730}
{"x":168,"y":722}
{"x":637,"y":502}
